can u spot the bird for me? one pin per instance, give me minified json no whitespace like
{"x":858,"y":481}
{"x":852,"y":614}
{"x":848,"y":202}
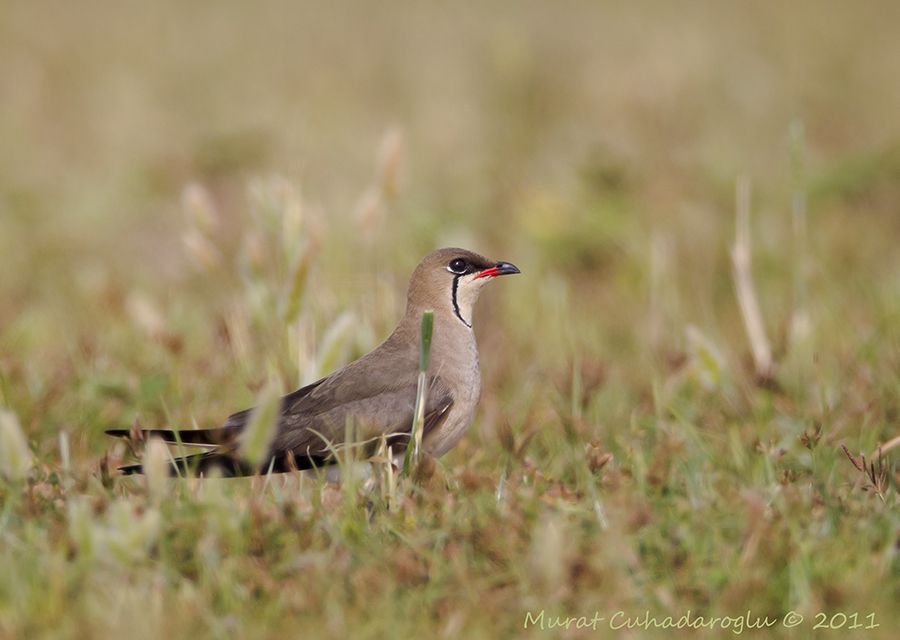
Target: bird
{"x":375,"y":393}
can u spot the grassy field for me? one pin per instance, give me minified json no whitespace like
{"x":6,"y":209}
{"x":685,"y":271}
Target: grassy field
{"x":198,"y":198}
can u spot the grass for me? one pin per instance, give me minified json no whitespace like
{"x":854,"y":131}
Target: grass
{"x":197,"y":208}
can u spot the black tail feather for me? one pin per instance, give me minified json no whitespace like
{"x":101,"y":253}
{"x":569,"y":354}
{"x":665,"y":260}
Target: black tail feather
{"x":228,"y":466}
{"x":223,"y":460}
{"x":198,"y":437}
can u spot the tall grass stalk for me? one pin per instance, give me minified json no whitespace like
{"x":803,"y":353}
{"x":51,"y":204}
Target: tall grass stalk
{"x":800,"y":320}
{"x":743,"y":282}
{"x":414,"y":448}
{"x":157,"y":463}
{"x":16,"y":458}
{"x":257,"y":437}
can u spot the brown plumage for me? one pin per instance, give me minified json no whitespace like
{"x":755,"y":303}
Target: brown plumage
{"x":376,"y":393}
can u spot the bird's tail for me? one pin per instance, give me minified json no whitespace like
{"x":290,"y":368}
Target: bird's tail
{"x":226,"y":465}
{"x":193,"y":437}
{"x":222,"y":460}
{"x":200,"y":464}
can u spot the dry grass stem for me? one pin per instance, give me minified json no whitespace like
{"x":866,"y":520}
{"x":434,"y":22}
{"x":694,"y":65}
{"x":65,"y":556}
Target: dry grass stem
{"x":875,"y":473}
{"x":741,"y":259}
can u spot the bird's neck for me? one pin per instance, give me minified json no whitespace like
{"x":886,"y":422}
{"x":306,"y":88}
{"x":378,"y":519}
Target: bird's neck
{"x":449,"y":333}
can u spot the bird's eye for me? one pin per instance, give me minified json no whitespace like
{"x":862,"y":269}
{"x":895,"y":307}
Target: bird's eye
{"x":458,"y":266}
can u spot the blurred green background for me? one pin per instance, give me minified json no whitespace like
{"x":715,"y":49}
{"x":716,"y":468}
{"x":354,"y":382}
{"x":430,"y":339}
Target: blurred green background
{"x":194,"y":194}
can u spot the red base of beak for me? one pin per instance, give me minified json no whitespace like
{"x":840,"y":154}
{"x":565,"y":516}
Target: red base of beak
{"x":499,"y":269}
{"x":488,"y":273}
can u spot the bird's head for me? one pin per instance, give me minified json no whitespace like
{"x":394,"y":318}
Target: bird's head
{"x":449,"y":280}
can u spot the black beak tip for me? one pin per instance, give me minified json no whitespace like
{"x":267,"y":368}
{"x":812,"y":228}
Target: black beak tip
{"x":507,"y":268}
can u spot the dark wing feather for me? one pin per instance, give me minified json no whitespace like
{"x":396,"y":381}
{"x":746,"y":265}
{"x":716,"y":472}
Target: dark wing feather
{"x":365,"y":420}
{"x":240,"y":418}
{"x":374,"y":395}
{"x":223,"y":436}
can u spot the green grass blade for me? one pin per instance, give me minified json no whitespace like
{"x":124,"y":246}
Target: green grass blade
{"x":413,"y":449}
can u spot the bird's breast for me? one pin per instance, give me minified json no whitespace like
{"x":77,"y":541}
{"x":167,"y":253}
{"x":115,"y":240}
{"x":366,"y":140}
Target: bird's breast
{"x":457,"y":365}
